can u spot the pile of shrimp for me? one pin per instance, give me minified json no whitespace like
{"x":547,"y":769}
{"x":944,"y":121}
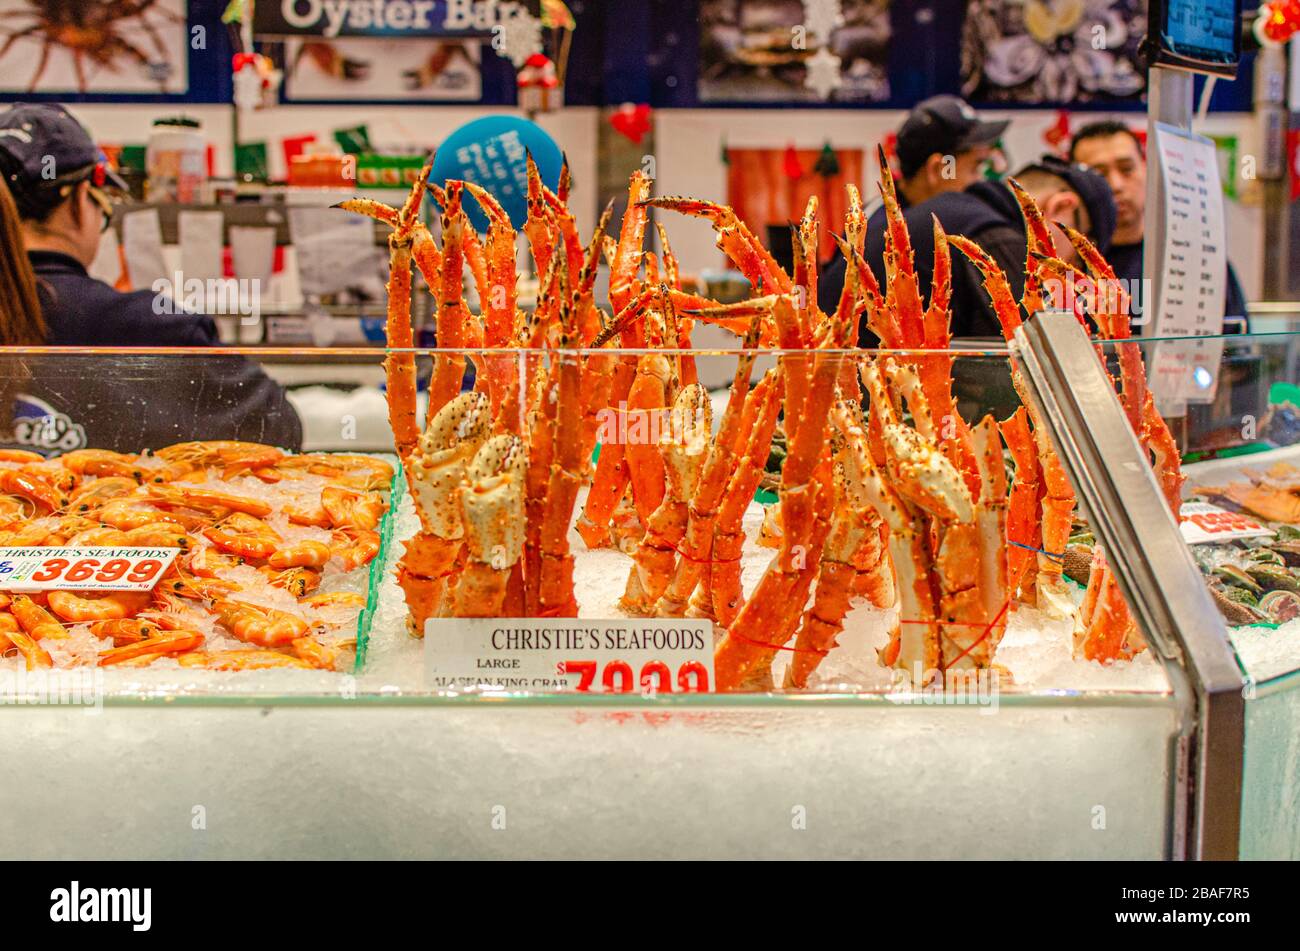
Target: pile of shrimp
{"x":270,"y":567}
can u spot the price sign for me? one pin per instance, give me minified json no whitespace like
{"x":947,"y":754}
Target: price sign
{"x":545,"y":655}
{"x":1193,"y":272}
{"x":83,"y":569}
{"x":1203,"y":523}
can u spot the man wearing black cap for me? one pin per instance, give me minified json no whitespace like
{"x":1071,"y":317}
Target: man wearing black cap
{"x":61,"y":185}
{"x":943,"y":146}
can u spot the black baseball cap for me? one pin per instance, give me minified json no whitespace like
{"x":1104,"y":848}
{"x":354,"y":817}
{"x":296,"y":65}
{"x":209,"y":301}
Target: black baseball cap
{"x":42,"y":146}
{"x":944,"y":125}
{"x":1092,"y":189}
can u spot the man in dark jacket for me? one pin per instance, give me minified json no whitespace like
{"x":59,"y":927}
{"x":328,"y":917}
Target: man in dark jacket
{"x":60,"y":184}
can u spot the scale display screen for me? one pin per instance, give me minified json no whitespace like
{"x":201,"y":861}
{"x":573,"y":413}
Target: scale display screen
{"x":1200,"y":35}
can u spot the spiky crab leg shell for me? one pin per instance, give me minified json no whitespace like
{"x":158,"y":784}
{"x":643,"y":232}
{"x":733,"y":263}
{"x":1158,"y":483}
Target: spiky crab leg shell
{"x":492,"y":507}
{"x":684,"y":446}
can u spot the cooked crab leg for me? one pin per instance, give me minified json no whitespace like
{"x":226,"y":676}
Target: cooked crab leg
{"x":718,"y":467}
{"x":1023,"y":527}
{"x":1058,"y":499}
{"x":555,"y":585}
{"x":631,"y":241}
{"x":684,"y":445}
{"x":805,"y":502}
{"x":537,"y":227}
{"x":735,"y":240}
{"x":492,"y":509}
{"x":612,"y":471}
{"x":434,"y":472}
{"x":720,"y":596}
{"x":854,"y":521}
{"x":648,"y":399}
{"x":453,"y":318}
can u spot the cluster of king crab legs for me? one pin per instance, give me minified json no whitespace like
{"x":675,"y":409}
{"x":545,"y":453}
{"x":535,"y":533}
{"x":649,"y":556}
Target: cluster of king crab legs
{"x":902,"y":502}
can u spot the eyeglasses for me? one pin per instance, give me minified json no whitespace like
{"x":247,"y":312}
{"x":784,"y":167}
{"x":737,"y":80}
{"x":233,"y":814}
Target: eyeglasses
{"x":105,"y":206}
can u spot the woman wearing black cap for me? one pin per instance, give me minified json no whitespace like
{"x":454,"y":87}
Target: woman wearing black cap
{"x":60,"y":185}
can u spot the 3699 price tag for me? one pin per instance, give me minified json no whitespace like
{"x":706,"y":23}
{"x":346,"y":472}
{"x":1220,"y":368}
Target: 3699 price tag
{"x":1203,"y":523}
{"x":83,"y":569}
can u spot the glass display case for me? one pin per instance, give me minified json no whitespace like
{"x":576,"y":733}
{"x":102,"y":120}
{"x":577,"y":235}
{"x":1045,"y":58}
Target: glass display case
{"x":968,"y":682}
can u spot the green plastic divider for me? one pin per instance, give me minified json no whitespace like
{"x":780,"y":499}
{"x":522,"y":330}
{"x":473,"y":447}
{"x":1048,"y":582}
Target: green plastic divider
{"x":396,"y":491}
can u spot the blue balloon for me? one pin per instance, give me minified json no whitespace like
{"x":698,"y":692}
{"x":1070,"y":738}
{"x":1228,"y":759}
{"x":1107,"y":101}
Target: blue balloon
{"x":491,"y":152}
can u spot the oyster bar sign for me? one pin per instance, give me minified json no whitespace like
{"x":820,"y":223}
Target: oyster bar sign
{"x":331,"y":18}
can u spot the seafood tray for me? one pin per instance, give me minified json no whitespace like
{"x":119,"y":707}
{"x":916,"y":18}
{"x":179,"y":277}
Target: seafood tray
{"x":276,"y":565}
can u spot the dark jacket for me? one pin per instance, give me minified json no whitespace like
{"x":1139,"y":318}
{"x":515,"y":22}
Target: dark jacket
{"x":987,"y":213}
{"x":135,"y":402}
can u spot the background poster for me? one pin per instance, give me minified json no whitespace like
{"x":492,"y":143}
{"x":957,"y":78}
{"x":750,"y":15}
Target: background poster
{"x":94,"y":46}
{"x":747,"y":53}
{"x":369,"y":69}
{"x":1052,"y":51}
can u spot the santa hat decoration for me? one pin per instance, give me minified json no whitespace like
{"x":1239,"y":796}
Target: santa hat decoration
{"x":538,"y":70}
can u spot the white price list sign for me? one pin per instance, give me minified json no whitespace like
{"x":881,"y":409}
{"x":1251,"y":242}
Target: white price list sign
{"x":545,"y":655}
{"x":83,"y":569}
{"x":1193,"y":272}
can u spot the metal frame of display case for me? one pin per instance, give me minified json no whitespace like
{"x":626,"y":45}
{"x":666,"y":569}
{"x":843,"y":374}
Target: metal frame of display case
{"x":1155,"y":571}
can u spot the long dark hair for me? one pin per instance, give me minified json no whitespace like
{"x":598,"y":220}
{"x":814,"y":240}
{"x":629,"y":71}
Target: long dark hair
{"x":21,"y":323}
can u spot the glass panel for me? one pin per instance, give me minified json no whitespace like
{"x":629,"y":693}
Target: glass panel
{"x":746,"y":487}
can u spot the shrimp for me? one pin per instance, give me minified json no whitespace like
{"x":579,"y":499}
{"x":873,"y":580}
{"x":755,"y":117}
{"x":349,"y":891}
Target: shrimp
{"x":33,"y":653}
{"x":35,"y":620}
{"x":297,"y":581}
{"x":133,"y":512}
{"x":356,"y":548}
{"x":21,"y":456}
{"x":348,"y":509}
{"x":322,"y":656}
{"x":157,"y":535}
{"x":229,"y":454}
{"x":315,"y":517}
{"x":206,"y":562}
{"x":265,"y":627}
{"x":209,"y":500}
{"x":102,"y":463}
{"x":100,"y":537}
{"x":307,"y":554}
{"x":178,"y":642}
{"x":239,"y":660}
{"x":125,"y":631}
{"x":41,"y":494}
{"x":115,"y":605}
{"x":335,"y":599}
{"x":91,"y":495}
{"x":243,"y":535}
